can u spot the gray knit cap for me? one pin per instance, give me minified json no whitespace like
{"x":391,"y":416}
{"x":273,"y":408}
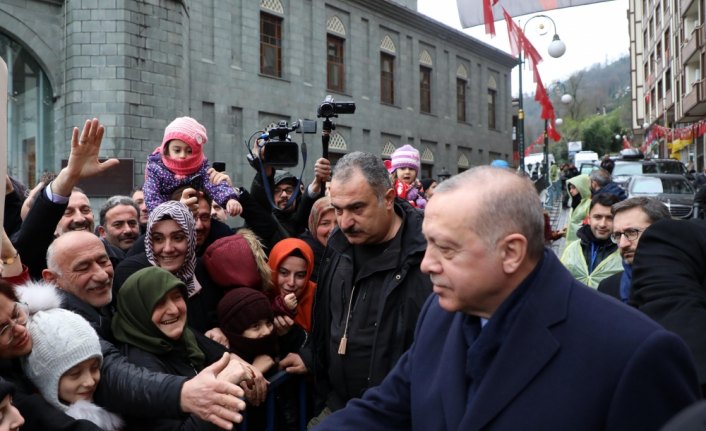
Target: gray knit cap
{"x":61,"y":340}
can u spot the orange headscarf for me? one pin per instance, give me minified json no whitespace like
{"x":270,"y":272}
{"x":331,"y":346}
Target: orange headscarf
{"x":279,"y":253}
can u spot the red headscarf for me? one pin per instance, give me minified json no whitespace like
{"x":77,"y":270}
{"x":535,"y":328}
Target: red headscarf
{"x":305,"y":301}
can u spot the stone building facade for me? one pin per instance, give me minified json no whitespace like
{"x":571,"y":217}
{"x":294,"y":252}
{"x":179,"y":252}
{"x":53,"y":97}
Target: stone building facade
{"x":239,"y":66}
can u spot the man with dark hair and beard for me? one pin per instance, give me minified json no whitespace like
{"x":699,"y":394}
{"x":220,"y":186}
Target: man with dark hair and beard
{"x":370,"y":288}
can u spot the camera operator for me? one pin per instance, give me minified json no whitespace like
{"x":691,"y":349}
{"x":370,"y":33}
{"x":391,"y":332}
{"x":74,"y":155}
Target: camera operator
{"x":288,"y":220}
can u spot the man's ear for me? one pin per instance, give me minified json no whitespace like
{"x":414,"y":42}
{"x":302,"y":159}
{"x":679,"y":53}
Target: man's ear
{"x":101,"y":231}
{"x":513,"y":249}
{"x":390,"y":198}
{"x":48,"y":275}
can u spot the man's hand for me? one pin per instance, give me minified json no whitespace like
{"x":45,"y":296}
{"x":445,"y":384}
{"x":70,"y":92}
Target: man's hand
{"x":292,"y":363}
{"x":283,"y":324}
{"x":83,"y":159}
{"x":190,"y":198}
{"x":216,"y":177}
{"x":322,"y":174}
{"x":213,"y":400}
{"x":218,"y":336}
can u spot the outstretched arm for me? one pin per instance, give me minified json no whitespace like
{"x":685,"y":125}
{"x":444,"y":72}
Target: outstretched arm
{"x":83,"y":160}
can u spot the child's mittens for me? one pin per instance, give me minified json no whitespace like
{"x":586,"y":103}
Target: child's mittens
{"x":412,"y":194}
{"x":290,"y":300}
{"x":234,"y":208}
{"x":421,"y":202}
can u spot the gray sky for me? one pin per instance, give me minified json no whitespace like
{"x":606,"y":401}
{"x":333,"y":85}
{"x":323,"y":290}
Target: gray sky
{"x":596,"y":33}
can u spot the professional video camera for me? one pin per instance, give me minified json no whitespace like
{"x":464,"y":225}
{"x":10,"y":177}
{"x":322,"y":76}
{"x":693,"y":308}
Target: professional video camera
{"x":277,"y":149}
{"x":330,"y":108}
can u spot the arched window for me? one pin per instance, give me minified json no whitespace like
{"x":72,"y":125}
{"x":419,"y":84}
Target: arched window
{"x":30,"y":114}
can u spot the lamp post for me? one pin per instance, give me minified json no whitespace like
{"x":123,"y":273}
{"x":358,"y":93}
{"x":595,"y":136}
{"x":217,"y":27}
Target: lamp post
{"x":556,"y":49}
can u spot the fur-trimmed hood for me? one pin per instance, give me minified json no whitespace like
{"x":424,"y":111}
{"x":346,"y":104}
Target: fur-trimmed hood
{"x":98,"y":415}
{"x":39,"y":295}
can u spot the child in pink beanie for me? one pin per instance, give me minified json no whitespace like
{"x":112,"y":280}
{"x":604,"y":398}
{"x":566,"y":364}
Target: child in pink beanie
{"x":179,"y":162}
{"x":404,"y":166}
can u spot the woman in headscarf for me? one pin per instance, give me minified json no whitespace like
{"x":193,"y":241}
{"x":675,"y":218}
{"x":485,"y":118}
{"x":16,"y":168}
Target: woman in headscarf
{"x":170,"y":243}
{"x":292,"y":263}
{"x":322,"y":221}
{"x":150,"y":324}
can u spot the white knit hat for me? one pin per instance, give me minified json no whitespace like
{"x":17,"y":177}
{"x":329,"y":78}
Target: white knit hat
{"x":61,"y":340}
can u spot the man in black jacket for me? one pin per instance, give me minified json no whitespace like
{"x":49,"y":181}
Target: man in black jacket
{"x":630,"y":218}
{"x":669,"y":282}
{"x":370,"y":288}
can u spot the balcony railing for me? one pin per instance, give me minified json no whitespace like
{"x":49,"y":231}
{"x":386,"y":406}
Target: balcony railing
{"x":695,"y":42}
{"x":692,"y":98}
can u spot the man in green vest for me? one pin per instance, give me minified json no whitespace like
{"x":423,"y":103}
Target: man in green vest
{"x":594,"y":256}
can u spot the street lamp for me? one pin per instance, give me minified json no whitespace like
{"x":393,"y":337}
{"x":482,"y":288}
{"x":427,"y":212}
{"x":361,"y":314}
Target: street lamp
{"x":556,"y":49}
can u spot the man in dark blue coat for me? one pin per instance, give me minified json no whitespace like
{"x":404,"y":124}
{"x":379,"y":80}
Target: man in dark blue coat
{"x":510,"y":340}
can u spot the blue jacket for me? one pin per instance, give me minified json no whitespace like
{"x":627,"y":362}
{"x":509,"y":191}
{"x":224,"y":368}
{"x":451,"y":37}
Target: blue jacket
{"x":572,"y":359}
{"x":612,"y":189}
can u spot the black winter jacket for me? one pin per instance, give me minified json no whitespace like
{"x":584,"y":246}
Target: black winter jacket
{"x":404,"y":291}
{"x":178,"y":366}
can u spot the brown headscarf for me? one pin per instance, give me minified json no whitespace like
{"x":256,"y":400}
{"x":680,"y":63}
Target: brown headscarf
{"x":320,"y":207}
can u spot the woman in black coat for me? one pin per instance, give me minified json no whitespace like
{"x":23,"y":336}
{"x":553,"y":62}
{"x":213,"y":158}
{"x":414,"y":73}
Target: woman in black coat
{"x":150,"y":324}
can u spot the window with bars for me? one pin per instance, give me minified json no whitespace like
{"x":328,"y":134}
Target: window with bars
{"x":387,"y":78}
{"x":461,"y":100}
{"x":334,"y":64}
{"x":424,"y":89}
{"x":270,"y":45}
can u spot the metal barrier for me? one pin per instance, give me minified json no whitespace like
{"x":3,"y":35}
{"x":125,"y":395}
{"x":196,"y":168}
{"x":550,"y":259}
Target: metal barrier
{"x":270,"y":404}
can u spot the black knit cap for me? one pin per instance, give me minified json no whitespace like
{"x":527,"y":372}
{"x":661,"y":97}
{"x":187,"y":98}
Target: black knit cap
{"x":242,"y":307}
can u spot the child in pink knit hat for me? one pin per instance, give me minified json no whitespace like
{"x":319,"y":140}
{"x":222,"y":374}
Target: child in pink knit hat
{"x":404,"y":166}
{"x":179,"y":162}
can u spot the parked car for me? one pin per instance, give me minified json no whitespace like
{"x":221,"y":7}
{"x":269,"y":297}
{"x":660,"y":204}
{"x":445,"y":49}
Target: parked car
{"x":624,"y":169}
{"x":672,"y":189}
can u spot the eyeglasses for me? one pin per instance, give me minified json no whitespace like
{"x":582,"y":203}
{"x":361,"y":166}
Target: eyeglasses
{"x":631,"y":234}
{"x":286,"y":190}
{"x":19,"y":317}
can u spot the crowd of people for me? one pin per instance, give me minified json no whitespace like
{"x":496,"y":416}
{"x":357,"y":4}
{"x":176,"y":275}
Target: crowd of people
{"x":394,"y":301}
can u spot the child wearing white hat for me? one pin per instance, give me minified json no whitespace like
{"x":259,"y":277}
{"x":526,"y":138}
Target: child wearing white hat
{"x":65,"y":365}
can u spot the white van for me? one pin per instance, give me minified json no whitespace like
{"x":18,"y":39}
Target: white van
{"x":532,"y":159}
{"x":585,"y":157}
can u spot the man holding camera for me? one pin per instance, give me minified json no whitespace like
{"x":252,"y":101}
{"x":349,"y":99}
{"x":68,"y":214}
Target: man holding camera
{"x":290,"y":216}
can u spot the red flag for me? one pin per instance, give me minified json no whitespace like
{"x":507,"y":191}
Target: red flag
{"x":488,"y":16}
{"x":626,"y":143}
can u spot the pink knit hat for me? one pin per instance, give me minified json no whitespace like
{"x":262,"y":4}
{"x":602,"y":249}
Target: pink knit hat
{"x":405,"y":157}
{"x":188,"y":130}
